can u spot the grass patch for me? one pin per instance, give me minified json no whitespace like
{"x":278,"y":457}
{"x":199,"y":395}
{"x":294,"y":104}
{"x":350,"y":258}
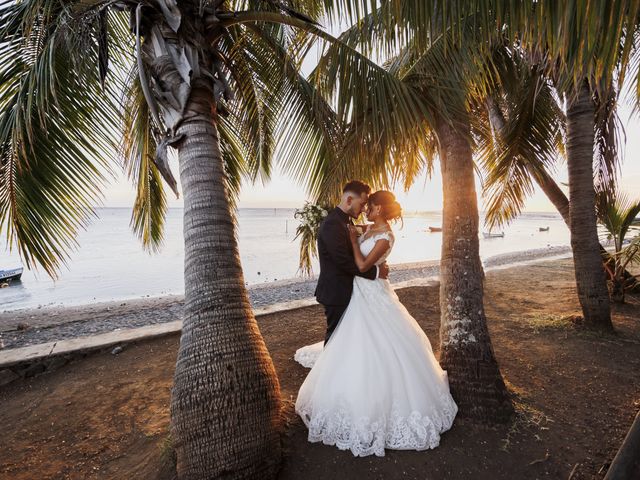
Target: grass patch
{"x":168,"y":460}
{"x":547,"y":321}
{"x":525,"y":417}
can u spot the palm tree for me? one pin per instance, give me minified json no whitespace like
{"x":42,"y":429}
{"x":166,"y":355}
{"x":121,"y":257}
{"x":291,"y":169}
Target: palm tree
{"x":466,"y":351}
{"x":527,"y":135}
{"x":585,"y":65}
{"x":590,"y":274}
{"x":561,"y":35}
{"x":617,"y":214}
{"x":211,"y":80}
{"x":510,"y":181}
{"x":510,"y":178}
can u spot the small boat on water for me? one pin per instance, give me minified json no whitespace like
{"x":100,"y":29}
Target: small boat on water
{"x":435,"y":229}
{"x":543,"y":229}
{"x":11,"y":275}
{"x":493,"y":235}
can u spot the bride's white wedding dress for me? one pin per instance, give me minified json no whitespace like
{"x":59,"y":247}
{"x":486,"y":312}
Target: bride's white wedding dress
{"x":376,"y":384}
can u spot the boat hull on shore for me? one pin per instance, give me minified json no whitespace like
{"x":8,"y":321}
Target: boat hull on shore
{"x":12,"y":275}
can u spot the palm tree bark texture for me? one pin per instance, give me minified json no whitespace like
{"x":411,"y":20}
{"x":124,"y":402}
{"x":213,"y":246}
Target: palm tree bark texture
{"x":466,"y":352}
{"x":224,"y":380}
{"x":225,"y":405}
{"x":590,"y":275}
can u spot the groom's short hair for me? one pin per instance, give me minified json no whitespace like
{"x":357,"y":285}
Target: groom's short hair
{"x":357,"y":187}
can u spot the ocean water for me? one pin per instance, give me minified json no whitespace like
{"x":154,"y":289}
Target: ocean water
{"x":110,"y":263}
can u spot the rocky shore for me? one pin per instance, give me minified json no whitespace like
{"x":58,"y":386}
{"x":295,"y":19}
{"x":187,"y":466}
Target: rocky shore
{"x":21,"y":328}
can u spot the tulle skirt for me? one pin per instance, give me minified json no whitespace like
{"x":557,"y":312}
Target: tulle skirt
{"x":376,"y":384}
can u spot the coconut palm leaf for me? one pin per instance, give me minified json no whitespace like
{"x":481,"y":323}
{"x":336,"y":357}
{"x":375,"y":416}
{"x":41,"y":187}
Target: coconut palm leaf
{"x":568,"y":34}
{"x":57,"y":128}
{"x":139,"y":150}
{"x":385,"y":142}
{"x":308,"y":143}
{"x":517,"y":147}
{"x":616,"y":211}
{"x":317,"y":151}
{"x":609,"y":134}
{"x":387,"y":121}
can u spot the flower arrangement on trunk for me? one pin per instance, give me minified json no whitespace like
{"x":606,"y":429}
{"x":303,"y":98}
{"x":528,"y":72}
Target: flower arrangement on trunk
{"x":310,"y":216}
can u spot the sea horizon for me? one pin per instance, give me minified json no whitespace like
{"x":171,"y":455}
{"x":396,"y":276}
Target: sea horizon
{"x":110,"y":263}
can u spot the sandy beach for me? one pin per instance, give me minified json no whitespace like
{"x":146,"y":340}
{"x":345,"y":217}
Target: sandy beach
{"x":106,"y":416}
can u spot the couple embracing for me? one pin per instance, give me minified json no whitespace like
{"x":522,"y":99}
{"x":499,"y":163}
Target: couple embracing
{"x":374,"y":381}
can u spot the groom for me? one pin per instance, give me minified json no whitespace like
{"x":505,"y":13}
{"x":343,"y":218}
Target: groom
{"x":337,"y":266}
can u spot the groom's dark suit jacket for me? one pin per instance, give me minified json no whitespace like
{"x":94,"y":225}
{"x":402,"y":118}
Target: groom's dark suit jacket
{"x":337,"y":266}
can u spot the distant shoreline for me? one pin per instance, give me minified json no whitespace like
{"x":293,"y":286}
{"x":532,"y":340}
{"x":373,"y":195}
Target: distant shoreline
{"x":30,"y":326}
{"x":408,"y":213}
{"x":399,"y":272}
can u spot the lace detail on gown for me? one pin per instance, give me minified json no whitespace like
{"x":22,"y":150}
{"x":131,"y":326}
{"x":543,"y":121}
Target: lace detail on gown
{"x":307,"y":356}
{"x":367,"y":244}
{"x":364,"y":436}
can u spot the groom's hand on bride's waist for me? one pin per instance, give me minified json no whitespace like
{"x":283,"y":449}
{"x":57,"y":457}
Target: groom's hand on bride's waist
{"x":383,"y":271}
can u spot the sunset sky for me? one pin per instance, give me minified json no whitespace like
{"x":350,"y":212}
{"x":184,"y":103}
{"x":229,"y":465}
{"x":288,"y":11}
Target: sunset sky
{"x":424,"y":195}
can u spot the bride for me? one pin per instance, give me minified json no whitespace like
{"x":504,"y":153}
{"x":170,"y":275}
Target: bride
{"x":376,"y":383}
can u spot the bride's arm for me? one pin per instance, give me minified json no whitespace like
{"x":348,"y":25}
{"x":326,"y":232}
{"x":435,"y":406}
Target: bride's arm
{"x":365,"y":263}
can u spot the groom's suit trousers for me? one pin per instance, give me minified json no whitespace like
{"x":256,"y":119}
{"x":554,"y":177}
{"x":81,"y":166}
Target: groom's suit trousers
{"x":333,"y":314}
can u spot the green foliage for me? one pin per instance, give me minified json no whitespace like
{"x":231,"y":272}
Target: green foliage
{"x":139,"y":145}
{"x":72,"y":102}
{"x":567,"y":37}
{"x":57,"y":127}
{"x":520,"y":127}
{"x":617,"y":213}
{"x":310,"y":216}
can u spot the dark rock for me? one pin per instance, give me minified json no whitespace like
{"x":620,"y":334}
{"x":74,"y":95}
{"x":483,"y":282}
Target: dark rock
{"x":7,"y":376}
{"x":56,"y":362}
{"x":117,"y":350}
{"x":33,"y":370}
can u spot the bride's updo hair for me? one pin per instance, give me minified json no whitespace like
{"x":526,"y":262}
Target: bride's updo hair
{"x":391,"y":210}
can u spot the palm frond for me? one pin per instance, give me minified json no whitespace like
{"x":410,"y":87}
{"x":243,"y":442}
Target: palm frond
{"x":311,"y":137}
{"x":631,"y":254}
{"x":254,"y":110}
{"x":385,"y":120}
{"x":616,"y":211}
{"x":567,"y":34}
{"x":609,"y":135}
{"x":139,"y":150}
{"x":57,"y":127}
{"x":521,"y":146}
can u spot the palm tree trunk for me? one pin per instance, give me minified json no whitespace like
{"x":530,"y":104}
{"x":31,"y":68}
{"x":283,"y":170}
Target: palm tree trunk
{"x":561,"y":202}
{"x":225,"y":406}
{"x":466,"y":352}
{"x":590,"y":275}
{"x":555,"y":195}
